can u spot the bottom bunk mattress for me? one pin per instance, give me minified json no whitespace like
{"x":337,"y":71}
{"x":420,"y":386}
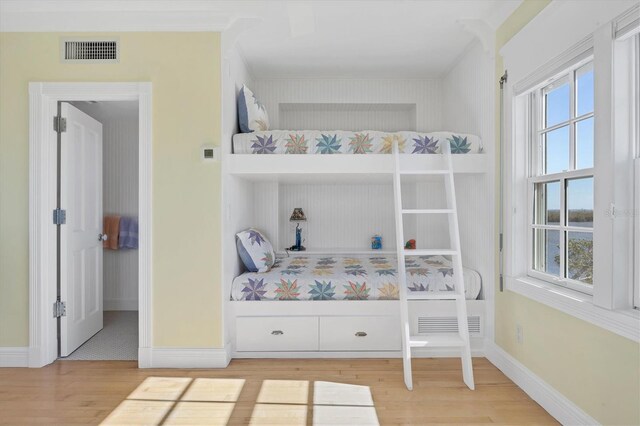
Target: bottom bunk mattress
{"x":366,"y":277}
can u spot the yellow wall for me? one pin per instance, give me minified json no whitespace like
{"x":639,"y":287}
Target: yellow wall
{"x":185,"y":71}
{"x":599,"y":371}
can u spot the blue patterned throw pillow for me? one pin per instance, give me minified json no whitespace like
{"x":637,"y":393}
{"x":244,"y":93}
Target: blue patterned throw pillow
{"x":252,"y":116}
{"x":255,"y":250}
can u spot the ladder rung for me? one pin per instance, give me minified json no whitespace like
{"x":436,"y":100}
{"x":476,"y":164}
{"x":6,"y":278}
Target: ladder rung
{"x":437,"y":340}
{"x":430,"y":252}
{"x":426,"y":211}
{"x":433,"y":295}
{"x":425,"y":172}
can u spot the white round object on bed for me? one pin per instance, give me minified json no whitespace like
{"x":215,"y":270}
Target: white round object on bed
{"x":472,"y":284}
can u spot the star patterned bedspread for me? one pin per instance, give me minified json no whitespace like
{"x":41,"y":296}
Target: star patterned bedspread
{"x":346,"y":142}
{"x":367,"y":277}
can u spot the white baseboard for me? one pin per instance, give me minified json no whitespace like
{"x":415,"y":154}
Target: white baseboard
{"x":556,"y":404}
{"x":120,"y":305}
{"x":183,"y":358}
{"x":14,"y":357}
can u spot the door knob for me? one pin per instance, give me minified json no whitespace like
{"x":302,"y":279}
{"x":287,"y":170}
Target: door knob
{"x":102,"y":237}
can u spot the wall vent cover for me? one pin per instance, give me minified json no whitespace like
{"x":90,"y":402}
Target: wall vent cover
{"x":430,"y":325}
{"x":90,"y":50}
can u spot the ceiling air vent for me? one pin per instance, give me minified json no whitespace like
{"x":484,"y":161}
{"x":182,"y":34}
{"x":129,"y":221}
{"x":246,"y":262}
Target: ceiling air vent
{"x":90,"y":50}
{"x":446,"y":325}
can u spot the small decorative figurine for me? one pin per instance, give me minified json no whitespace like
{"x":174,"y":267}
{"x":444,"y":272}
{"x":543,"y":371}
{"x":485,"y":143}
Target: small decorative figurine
{"x":376,"y":242}
{"x":411,"y":245}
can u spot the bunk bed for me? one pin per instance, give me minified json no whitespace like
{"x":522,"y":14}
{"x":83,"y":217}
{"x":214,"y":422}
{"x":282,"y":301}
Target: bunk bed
{"x":341,"y":152}
{"x":314,"y":304}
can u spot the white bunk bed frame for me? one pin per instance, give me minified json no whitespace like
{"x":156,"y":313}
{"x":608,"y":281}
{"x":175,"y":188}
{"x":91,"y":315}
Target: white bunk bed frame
{"x":340,"y":329}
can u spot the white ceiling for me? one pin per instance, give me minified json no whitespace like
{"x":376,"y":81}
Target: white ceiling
{"x":320,"y":38}
{"x":366,"y":39}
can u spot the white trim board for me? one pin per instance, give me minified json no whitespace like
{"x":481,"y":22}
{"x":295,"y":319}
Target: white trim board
{"x":623,"y":323}
{"x":14,"y":357}
{"x":556,"y":404}
{"x":184,"y":358}
{"x":43,"y":99}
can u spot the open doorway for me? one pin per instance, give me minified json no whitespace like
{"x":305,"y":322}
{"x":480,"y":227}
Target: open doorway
{"x":99,"y":242}
{"x":45,"y":330}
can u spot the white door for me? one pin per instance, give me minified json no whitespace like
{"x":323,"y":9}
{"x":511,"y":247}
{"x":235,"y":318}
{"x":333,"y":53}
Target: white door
{"x":80,"y":245}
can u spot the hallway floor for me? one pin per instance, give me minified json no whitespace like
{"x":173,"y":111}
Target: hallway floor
{"x":117,"y":341}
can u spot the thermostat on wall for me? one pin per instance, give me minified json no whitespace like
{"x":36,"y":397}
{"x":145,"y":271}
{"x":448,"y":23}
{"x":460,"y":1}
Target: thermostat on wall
{"x":210,"y":153}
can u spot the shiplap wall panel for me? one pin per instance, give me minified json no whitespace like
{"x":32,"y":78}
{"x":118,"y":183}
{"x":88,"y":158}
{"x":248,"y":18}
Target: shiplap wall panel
{"x":354,"y":119}
{"x":339,"y":215}
{"x":120,"y":165}
{"x":467,"y":94}
{"x":426,"y":95}
{"x":468,"y":107}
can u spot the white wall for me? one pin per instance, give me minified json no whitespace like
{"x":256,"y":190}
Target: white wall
{"x":426,"y":95}
{"x":468,"y":107}
{"x":120,"y":195}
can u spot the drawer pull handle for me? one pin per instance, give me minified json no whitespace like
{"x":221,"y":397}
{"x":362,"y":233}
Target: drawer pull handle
{"x":277,"y":332}
{"x":361,"y":334}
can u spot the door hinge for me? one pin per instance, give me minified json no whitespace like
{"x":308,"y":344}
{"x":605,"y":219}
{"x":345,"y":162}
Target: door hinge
{"x":59,"y":217}
{"x":59,"y":309}
{"x":501,"y":283}
{"x":501,"y":241}
{"x":59,"y":124}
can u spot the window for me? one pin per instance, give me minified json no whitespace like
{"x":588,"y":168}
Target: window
{"x":561,"y":180}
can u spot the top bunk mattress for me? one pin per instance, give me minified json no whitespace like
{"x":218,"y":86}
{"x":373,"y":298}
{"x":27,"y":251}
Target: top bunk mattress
{"x":362,"y":277}
{"x":346,"y":142}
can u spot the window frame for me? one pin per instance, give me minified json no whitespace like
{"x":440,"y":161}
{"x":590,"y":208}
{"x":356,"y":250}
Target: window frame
{"x":535,"y":173}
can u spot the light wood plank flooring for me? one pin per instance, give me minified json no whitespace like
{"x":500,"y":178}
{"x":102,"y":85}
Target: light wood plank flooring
{"x":276,"y":392}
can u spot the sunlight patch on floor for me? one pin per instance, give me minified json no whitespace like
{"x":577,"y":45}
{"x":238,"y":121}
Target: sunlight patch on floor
{"x":330,"y":393}
{"x":279,"y":414}
{"x":284,"y":392}
{"x":178,"y":401}
{"x":214,"y":390}
{"x":211,"y":401}
{"x":200,"y":413}
{"x":161,"y":388}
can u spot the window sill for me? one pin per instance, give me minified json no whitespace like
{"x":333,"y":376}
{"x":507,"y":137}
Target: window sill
{"x":625,"y":323}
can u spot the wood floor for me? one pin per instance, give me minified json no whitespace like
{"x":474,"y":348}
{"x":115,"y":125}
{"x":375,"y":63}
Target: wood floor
{"x":276,"y":392}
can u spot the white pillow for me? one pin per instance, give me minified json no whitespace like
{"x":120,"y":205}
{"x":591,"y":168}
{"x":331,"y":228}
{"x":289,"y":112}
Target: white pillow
{"x":255,"y":250}
{"x":252,"y":116}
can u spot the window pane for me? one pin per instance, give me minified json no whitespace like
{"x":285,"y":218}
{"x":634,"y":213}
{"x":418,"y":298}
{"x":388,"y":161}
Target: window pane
{"x":580,"y":257}
{"x":557,"y":105}
{"x":580,"y":202}
{"x":584,"y":92}
{"x":556,"y":150}
{"x":584,"y":144}
{"x":547,"y":203}
{"x":546,"y":251}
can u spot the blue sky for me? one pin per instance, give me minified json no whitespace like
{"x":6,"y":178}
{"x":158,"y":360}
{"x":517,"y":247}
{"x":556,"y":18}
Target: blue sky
{"x":580,"y":192}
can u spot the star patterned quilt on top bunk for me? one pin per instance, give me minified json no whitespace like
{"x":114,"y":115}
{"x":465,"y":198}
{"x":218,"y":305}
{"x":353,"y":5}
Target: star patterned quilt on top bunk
{"x":345,"y":142}
{"x":366,"y":277}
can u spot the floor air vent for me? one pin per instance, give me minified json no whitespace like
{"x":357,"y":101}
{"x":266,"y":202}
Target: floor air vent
{"x":429,"y":325}
{"x":83,"y":51}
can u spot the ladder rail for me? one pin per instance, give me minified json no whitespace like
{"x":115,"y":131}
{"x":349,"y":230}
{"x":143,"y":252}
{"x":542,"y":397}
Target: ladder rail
{"x":461,"y":303}
{"x":462,"y":341}
{"x":402,"y":278}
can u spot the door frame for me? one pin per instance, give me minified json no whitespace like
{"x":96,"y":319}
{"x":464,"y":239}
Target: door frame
{"x":43,"y":102}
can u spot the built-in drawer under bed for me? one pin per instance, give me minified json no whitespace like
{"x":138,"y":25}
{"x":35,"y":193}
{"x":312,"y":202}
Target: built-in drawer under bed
{"x":362,"y":277}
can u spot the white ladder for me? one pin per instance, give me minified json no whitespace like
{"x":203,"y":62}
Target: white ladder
{"x":441,"y":340}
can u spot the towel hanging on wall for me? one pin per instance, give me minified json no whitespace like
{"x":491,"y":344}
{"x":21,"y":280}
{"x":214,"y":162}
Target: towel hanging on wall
{"x":128,"y":232}
{"x":112,"y":230}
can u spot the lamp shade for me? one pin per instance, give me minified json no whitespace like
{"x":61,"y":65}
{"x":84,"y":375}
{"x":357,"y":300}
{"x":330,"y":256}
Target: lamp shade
{"x":297,"y":215}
